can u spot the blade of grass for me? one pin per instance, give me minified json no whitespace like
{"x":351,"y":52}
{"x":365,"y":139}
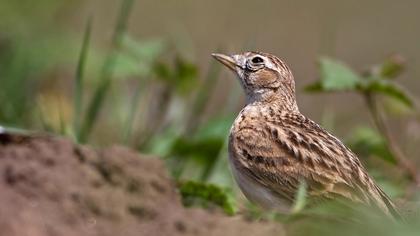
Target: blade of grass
{"x":78,"y":92}
{"x":300,"y":197}
{"x":106,"y":72}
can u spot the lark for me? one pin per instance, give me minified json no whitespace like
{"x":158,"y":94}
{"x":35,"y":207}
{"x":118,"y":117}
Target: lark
{"x":273,"y":148}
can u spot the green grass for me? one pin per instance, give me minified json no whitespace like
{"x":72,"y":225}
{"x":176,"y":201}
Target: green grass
{"x":99,"y":95}
{"x":79,"y":81}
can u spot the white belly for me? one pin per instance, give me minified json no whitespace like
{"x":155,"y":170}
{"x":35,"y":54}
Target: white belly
{"x":257,"y":193}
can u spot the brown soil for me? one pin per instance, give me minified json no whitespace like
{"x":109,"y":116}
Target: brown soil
{"x":50,"y":186}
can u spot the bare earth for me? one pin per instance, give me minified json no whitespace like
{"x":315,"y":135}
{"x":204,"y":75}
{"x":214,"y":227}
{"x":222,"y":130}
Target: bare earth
{"x":50,"y":186}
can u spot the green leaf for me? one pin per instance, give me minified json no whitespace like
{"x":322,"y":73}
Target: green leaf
{"x":186,"y":75}
{"x":366,"y":141}
{"x":335,"y":76}
{"x":182,"y":77}
{"x":386,"y":87}
{"x":196,"y":193}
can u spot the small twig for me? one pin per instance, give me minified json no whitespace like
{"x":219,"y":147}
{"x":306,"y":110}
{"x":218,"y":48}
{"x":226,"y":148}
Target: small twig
{"x":396,"y":151}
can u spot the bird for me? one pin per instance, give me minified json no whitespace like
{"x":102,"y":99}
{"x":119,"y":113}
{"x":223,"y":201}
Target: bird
{"x":273,"y":148}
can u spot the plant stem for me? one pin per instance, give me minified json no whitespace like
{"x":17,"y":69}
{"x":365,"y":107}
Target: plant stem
{"x":396,"y":151}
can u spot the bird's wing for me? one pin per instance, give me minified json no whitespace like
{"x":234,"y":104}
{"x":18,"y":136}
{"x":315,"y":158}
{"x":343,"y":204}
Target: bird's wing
{"x":283,"y":152}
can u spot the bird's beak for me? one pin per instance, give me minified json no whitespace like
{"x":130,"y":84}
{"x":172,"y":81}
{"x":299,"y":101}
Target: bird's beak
{"x":226,"y":60}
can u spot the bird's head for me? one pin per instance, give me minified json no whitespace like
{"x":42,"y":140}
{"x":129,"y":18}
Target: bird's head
{"x":264,"y":77}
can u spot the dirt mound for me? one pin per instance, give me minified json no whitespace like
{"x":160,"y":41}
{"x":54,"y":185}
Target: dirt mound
{"x":50,"y":186}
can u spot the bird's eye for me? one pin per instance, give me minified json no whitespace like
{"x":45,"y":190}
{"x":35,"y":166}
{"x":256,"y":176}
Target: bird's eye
{"x":257,"y":60}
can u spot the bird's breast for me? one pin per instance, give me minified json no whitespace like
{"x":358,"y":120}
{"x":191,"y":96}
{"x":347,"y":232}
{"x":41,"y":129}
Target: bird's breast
{"x":256,"y":192}
{"x":253,"y":189}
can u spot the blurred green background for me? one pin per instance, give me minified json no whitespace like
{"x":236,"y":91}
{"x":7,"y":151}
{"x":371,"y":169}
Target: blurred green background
{"x":139,"y":73}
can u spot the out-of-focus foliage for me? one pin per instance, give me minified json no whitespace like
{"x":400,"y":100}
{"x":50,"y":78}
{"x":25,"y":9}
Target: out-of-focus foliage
{"x":365,"y":141}
{"x":198,"y":193}
{"x":20,"y":63}
{"x":335,"y":218}
{"x":200,"y":151}
{"x":385,"y":87}
{"x":182,"y":77}
{"x":337,"y":77}
{"x":137,"y":58}
{"x":391,"y":68}
{"x":106,"y":73}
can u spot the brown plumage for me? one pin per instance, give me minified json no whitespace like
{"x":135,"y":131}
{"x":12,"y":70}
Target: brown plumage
{"x":273,"y":147}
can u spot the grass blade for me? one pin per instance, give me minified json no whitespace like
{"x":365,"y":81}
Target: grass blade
{"x":300,"y":197}
{"x":107,"y":70}
{"x":78,"y":92}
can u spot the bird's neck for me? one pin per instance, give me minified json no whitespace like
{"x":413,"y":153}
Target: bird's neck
{"x":281,"y":100}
